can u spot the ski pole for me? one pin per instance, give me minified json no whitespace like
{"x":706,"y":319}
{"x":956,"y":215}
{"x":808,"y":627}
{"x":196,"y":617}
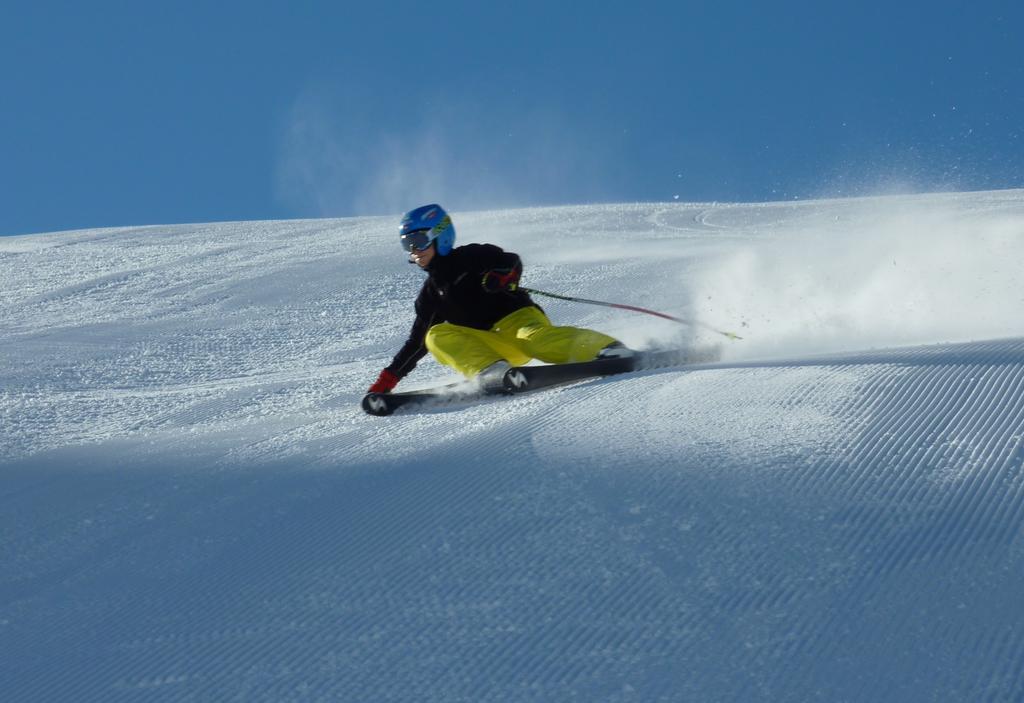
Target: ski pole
{"x":634,"y":308}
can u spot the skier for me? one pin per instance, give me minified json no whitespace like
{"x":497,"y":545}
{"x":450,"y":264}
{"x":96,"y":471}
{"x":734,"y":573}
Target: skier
{"x":471,"y":314}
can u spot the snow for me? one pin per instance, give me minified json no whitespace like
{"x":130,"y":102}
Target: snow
{"x":194,"y":507}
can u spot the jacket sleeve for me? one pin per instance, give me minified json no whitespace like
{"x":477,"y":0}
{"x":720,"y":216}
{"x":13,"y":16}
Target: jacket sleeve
{"x":488,"y":258}
{"x":512,"y":267}
{"x":494,"y":258}
{"x":415,"y":348}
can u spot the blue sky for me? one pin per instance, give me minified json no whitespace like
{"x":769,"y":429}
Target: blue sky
{"x":145,"y":113}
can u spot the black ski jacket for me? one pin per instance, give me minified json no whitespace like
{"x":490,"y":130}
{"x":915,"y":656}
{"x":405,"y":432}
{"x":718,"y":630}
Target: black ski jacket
{"x":453,"y":292}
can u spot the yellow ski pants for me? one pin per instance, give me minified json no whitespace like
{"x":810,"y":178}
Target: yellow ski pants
{"x":517,"y":338}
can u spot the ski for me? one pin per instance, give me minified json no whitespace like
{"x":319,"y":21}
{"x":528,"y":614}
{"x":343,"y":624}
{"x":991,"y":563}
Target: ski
{"x":527,"y":378}
{"x":387,"y":403}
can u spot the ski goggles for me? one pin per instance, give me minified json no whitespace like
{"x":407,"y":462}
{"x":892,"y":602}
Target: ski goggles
{"x":419,"y":240}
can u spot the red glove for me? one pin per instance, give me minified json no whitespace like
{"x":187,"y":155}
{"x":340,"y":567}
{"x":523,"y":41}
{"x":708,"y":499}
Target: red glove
{"x":385,"y":382}
{"x":497,"y":280}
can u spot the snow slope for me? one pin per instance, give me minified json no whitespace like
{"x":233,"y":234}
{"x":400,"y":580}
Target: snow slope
{"x":194,"y":508}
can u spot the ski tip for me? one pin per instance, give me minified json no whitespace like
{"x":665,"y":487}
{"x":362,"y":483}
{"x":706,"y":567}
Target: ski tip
{"x":376,"y":404}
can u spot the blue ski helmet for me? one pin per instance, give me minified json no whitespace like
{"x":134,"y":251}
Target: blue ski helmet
{"x":425,"y":225}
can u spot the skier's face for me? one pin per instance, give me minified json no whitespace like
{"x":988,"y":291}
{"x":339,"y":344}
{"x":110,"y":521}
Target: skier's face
{"x":423,"y":258}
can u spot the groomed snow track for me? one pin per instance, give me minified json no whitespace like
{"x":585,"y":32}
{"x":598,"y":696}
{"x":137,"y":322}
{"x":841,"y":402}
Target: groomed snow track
{"x":829,"y":527}
{"x":877,"y":557}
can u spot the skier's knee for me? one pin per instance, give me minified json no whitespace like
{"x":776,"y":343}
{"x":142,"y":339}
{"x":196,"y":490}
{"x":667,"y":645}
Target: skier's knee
{"x":440,"y":333}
